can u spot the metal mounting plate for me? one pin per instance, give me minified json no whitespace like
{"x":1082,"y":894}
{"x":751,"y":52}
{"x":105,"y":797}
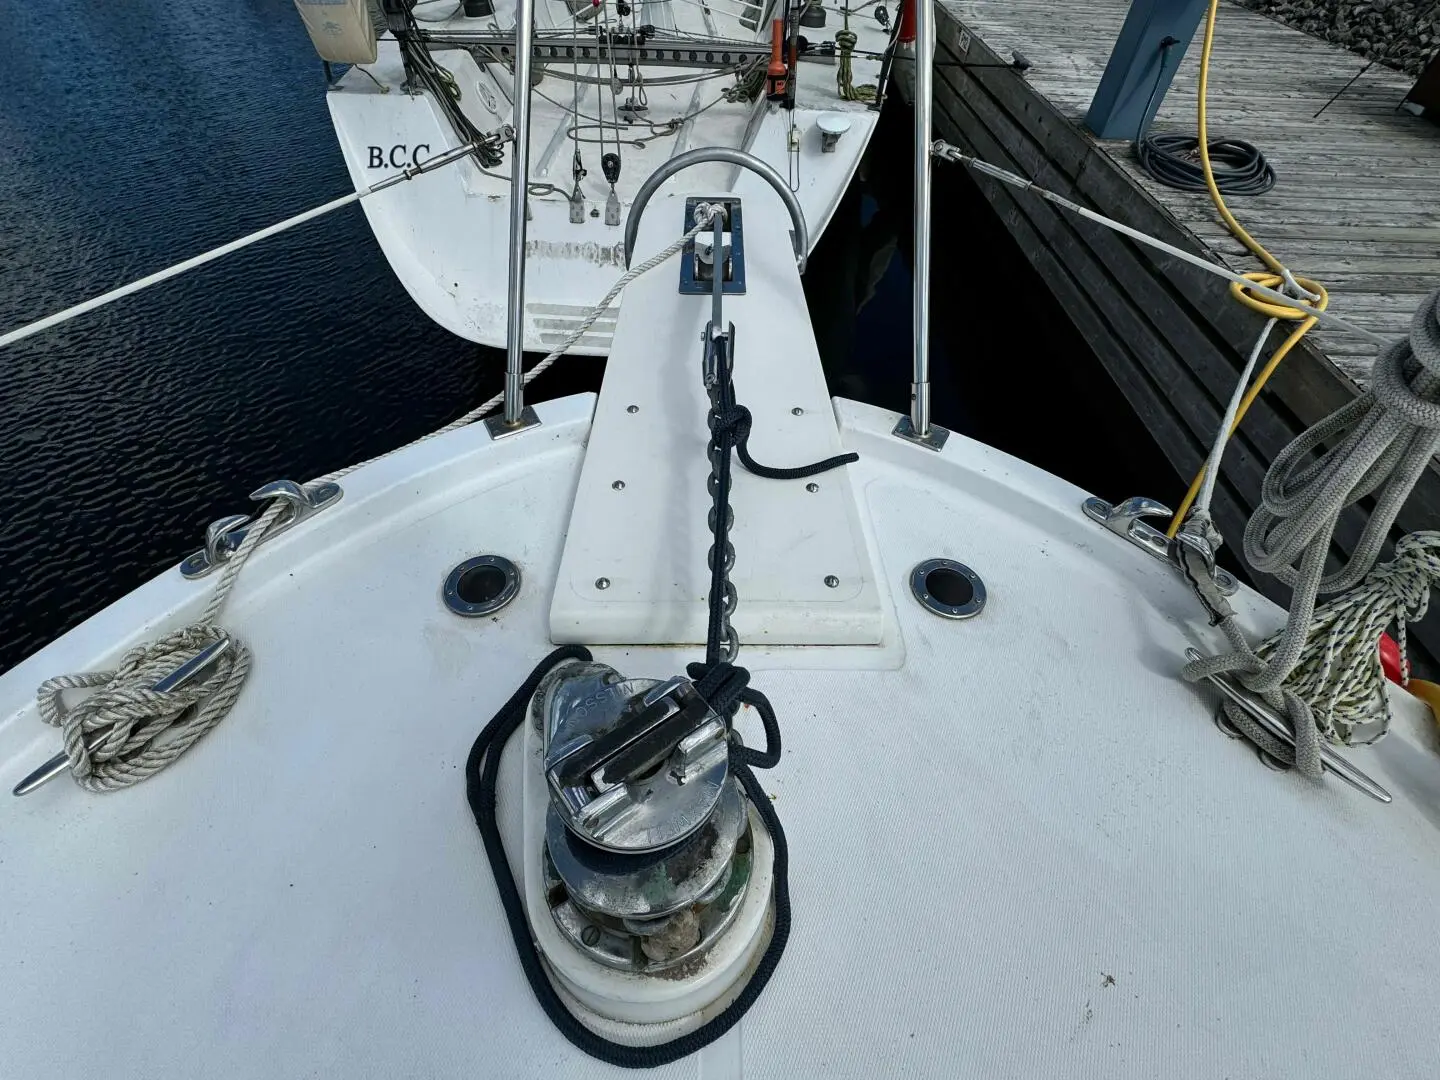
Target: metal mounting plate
{"x":934,"y":439}
{"x":690,"y":282}
{"x":499,"y":429}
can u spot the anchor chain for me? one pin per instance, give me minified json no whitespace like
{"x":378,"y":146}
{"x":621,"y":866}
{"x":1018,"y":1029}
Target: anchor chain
{"x":730,"y":425}
{"x":722,"y":643}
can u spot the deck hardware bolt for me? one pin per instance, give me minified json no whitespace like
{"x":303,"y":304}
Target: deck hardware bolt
{"x":797,"y":411}
{"x":602,"y":582}
{"x":590,"y":935}
{"x":632,"y":408}
{"x":812,"y":488}
{"x":832,"y":581}
{"x":618,"y":485}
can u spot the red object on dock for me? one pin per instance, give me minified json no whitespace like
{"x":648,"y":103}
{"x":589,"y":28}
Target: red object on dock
{"x":906,"y":33}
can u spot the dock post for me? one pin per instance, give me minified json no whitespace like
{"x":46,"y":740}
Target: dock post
{"x":1140,"y":66}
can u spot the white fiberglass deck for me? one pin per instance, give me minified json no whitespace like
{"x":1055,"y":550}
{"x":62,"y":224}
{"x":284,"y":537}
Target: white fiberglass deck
{"x":1018,"y":845}
{"x":446,"y":235}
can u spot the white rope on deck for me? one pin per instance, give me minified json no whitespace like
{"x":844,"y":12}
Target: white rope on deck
{"x":127,"y":731}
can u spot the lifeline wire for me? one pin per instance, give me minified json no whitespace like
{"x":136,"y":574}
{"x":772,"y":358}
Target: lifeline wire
{"x":448,"y":157}
{"x":1276,"y":298}
{"x":140,"y":730}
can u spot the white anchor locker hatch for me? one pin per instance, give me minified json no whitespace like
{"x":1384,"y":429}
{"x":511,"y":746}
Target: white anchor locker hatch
{"x":634,"y":568}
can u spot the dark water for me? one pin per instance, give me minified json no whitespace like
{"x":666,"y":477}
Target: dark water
{"x":135,"y":134}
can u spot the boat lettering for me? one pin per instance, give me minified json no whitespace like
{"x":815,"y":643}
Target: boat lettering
{"x":399,"y":156}
{"x":577,"y":251}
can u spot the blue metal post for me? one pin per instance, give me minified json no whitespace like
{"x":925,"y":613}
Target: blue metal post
{"x":1138,"y":60}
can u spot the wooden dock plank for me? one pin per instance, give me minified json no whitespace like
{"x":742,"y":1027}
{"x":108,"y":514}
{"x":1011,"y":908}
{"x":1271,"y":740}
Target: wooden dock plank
{"x":1169,"y":320}
{"x":1363,"y":174}
{"x":1357,"y":207}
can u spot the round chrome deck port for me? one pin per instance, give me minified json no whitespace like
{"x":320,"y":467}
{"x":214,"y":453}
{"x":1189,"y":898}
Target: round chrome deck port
{"x":481,"y":586}
{"x":947,"y":588}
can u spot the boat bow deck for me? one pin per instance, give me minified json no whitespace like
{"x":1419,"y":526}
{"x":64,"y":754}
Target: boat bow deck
{"x":1019,"y":846}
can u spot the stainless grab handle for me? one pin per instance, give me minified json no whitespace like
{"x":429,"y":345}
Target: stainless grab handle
{"x":800,"y":235}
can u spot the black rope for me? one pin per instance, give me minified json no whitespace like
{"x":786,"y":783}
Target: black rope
{"x":730,"y":425}
{"x":445,"y":91}
{"x":739,"y":419}
{"x":482,"y":769}
{"x":1174,"y":160}
{"x":1239,"y":167}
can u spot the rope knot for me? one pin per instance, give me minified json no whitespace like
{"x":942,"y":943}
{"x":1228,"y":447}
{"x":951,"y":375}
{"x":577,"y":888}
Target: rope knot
{"x":1406,"y":376}
{"x":731,"y":420}
{"x":1406,"y":580}
{"x":1307,"y":292}
{"x":127,"y":730}
{"x":845,"y":41}
{"x":721,"y":685}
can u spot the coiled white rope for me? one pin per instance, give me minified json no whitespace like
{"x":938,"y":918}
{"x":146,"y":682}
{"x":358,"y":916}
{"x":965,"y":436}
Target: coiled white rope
{"x":1379,"y":444}
{"x":1339,"y":673}
{"x":127,"y":731}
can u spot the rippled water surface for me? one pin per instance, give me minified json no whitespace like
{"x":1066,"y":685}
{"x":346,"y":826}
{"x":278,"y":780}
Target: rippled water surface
{"x":133,"y":135}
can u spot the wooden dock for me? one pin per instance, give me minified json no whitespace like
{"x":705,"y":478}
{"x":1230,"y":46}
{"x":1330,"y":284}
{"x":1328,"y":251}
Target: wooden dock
{"x":1356,"y":206}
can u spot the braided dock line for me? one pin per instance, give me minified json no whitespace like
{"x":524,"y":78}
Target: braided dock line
{"x":1339,"y":672}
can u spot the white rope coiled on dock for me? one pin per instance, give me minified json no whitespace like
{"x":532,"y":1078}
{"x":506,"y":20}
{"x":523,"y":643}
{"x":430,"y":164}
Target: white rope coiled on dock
{"x":127,"y":730}
{"x":1380,"y":443}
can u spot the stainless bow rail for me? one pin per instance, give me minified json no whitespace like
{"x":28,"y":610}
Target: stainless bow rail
{"x":799,"y":234}
{"x":917,"y":427}
{"x":515,"y":416}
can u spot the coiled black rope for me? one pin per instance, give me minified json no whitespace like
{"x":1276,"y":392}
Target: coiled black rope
{"x":1174,"y":160}
{"x":1239,"y":167}
{"x":724,"y":687}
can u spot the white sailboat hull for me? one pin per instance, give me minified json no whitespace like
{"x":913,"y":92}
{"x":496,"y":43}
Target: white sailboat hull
{"x":446,"y":235}
{"x":1016,"y":843}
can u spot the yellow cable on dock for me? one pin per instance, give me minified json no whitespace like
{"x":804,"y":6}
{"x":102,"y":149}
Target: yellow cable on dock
{"x":1276,"y":278}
